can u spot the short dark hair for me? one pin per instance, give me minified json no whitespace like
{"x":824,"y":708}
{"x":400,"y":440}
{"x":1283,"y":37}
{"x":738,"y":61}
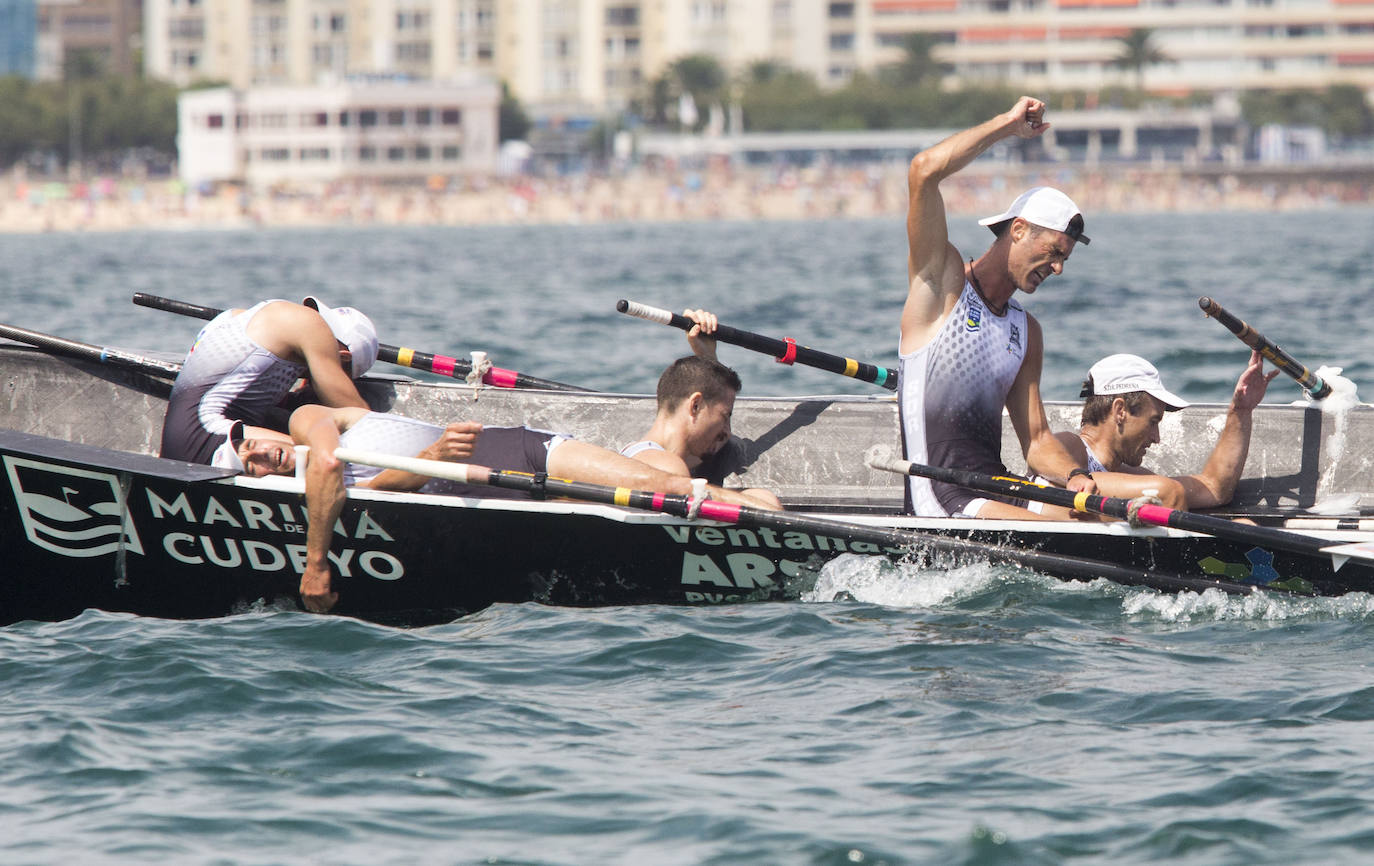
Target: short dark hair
{"x":690,"y":374}
{"x":1097,"y":406}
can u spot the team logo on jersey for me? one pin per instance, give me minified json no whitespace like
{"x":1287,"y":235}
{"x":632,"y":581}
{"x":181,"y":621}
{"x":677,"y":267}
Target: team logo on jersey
{"x":973,"y":320}
{"x":72,"y":512}
{"x":1014,"y":341}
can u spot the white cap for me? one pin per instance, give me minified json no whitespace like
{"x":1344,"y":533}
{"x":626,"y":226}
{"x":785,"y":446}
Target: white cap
{"x":1122,"y":374}
{"x":351,"y":328}
{"x":226,"y":456}
{"x":1044,"y":206}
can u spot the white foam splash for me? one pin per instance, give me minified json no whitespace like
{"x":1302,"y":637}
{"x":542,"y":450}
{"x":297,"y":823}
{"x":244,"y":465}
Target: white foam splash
{"x":1337,"y":404}
{"x":877,"y":580}
{"x":1213,"y":605}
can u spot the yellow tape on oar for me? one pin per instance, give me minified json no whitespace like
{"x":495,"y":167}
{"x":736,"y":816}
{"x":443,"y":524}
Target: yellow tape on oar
{"x":1080,"y":501}
{"x":851,"y":367}
{"x":405,"y":356}
{"x":622,"y":496}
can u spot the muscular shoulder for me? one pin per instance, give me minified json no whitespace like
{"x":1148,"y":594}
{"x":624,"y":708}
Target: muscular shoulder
{"x":665,"y":461}
{"x":285,"y":329}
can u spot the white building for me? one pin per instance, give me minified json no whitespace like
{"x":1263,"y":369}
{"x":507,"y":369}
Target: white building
{"x":370,"y":131}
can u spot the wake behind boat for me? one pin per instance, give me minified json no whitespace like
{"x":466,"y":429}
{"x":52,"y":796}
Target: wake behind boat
{"x":92,"y":519}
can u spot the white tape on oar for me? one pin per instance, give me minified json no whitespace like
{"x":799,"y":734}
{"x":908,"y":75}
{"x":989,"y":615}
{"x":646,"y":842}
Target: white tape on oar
{"x":463,"y":473}
{"x":1343,"y":553}
{"x":644,"y":311}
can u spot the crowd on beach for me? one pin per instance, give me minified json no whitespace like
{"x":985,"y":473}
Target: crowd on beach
{"x":644,"y":193}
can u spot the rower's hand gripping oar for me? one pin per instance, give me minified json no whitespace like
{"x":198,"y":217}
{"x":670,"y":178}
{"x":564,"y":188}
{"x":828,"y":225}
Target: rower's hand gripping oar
{"x":1311,"y":382}
{"x":883,"y":539}
{"x":1111,"y":506}
{"x":784,"y":351}
{"x":89,"y":352}
{"x":401,"y":356}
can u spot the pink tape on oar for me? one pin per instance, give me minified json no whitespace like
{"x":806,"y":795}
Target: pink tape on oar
{"x":1156,"y":514}
{"x":500,"y":378}
{"x":720,"y":511}
{"x":659,"y":499}
{"x":443,"y":365}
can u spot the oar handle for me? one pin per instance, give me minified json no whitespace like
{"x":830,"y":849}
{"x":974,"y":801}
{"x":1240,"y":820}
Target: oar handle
{"x":102,"y":354}
{"x":442,"y":365}
{"x":785,"y":350}
{"x":1310,"y":381}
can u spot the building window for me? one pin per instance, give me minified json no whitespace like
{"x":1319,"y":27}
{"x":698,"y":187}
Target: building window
{"x":396,"y":117}
{"x":275,"y":154}
{"x":450,"y":153}
{"x":412,"y":52}
{"x":215,"y":121}
{"x":622,"y":16}
{"x":313,"y":154}
{"x":841,"y":10}
{"x":450,"y":117}
{"x":422,"y":153}
{"x":395,"y":154}
{"x":841,"y":41}
{"x":367,"y":153}
{"x":367,"y":117}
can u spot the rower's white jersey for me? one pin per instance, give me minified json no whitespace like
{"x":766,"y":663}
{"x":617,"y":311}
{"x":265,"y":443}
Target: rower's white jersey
{"x":952,"y":393}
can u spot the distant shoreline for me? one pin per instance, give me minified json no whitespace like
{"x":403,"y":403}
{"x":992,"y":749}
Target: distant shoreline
{"x":718,"y":193}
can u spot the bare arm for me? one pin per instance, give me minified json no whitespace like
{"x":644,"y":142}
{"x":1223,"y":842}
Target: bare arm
{"x":455,"y":444}
{"x":934,"y":269}
{"x":324,"y":500}
{"x":699,"y":338}
{"x":1216,"y":483}
{"x":1045,"y":454}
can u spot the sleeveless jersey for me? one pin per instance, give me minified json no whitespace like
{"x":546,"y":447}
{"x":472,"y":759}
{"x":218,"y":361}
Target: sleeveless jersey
{"x":952,"y":393}
{"x":518,"y":448}
{"x":1094,"y":465}
{"x":226,"y":377}
{"x":640,"y":447}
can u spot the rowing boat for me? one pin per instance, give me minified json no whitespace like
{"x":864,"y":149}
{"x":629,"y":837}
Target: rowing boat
{"x":90,"y":518}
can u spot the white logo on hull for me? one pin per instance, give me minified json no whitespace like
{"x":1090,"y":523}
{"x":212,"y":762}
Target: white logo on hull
{"x":71,"y":512}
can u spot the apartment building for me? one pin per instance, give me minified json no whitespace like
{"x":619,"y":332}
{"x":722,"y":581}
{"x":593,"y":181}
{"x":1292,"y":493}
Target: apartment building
{"x":586,"y":57}
{"x":373,"y":131}
{"x":105,"y":31}
{"x":18,"y":29}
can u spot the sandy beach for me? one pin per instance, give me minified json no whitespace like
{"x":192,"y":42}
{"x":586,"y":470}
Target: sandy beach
{"x":644,"y":194}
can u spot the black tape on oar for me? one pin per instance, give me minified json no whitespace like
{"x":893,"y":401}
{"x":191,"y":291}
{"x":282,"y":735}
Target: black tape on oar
{"x":87,"y":351}
{"x":1311,"y":382}
{"x":441,"y":365}
{"x":784,"y":350}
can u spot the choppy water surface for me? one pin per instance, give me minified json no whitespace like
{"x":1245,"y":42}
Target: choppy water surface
{"x":979,"y":715}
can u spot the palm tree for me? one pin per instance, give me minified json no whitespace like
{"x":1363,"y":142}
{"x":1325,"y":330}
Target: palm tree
{"x":1137,"y":52}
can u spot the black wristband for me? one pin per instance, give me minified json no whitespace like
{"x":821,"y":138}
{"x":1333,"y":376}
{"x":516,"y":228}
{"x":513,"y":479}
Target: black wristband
{"x":1077,"y":470}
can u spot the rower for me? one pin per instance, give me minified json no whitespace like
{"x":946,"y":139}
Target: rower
{"x":244,"y":362}
{"x":521,"y":449}
{"x":1126,"y":400}
{"x":696,"y":398}
{"x":968,"y":349}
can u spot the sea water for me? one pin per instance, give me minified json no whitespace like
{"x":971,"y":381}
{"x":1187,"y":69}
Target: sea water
{"x":971,"y":715}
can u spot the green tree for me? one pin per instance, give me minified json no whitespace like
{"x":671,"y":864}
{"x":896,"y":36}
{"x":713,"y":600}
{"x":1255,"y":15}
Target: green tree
{"x":1138,"y":52}
{"x":918,"y":66}
{"x":512,"y":121}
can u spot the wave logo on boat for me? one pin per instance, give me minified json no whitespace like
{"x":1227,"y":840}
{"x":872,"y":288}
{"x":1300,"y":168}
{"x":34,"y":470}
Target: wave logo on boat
{"x":69,"y":511}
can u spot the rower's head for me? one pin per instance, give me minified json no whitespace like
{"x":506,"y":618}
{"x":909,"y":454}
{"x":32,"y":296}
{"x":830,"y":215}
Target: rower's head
{"x":267,"y":453}
{"x":355,"y":332}
{"x":699,"y":394}
{"x":1040,"y":230}
{"x":1126,"y":399}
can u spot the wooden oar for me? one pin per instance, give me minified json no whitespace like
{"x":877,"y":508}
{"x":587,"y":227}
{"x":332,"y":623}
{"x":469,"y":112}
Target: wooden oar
{"x":416,"y":360}
{"x":784,"y":351}
{"x":1159,"y":515}
{"x":892,"y":540}
{"x":1310,"y":381}
{"x":89,"y":352}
